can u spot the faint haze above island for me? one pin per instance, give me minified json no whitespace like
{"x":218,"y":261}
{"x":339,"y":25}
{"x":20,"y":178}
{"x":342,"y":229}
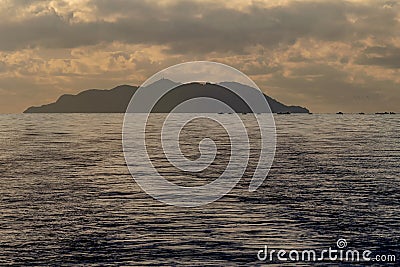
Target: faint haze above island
{"x":325,"y":55}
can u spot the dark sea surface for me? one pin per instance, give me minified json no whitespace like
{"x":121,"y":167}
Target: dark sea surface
{"x":67,"y":197}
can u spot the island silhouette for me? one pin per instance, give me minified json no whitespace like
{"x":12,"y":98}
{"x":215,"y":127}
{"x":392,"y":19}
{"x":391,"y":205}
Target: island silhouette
{"x":116,"y":100}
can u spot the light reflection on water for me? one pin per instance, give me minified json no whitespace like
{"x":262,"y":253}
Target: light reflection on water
{"x":67,"y":196}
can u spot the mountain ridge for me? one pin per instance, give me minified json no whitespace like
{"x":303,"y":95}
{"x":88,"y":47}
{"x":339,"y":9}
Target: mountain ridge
{"x":116,"y":100}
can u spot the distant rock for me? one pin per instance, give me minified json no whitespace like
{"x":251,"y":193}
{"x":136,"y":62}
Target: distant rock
{"x":117,"y":99}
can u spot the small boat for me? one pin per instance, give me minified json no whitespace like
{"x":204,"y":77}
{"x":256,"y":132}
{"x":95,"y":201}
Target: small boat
{"x":339,"y":113}
{"x":361,"y":113}
{"x":381,"y":113}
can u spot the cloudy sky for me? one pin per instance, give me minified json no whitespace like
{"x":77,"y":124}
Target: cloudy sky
{"x":326,"y":55}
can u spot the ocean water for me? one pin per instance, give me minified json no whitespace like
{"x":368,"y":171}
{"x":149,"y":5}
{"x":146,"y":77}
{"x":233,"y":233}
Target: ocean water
{"x":67,"y":197}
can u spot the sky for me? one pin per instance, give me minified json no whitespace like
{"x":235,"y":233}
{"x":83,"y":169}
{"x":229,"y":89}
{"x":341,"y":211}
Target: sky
{"x":325,"y":55}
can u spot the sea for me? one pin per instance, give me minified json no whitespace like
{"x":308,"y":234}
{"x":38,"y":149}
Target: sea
{"x":67,"y":197}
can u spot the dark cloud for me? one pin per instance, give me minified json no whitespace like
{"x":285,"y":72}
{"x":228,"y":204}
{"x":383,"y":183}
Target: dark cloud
{"x":384,"y":56}
{"x":202,"y":27}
